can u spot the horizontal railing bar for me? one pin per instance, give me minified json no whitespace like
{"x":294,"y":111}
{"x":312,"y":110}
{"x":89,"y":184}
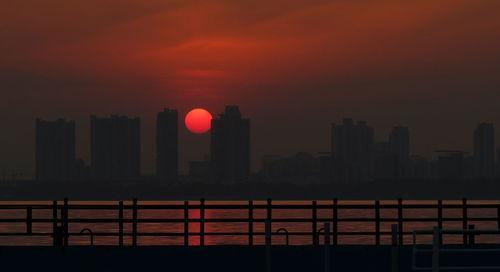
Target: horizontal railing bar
{"x":459,"y":231}
{"x":255,"y":206}
{"x":242,"y":220}
{"x":239,"y":220}
{"x":361,"y":233}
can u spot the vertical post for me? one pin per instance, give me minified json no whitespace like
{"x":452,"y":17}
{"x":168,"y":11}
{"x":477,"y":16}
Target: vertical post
{"x":464,"y":218}
{"x":134,"y":222}
{"x":327,"y":246}
{"x":29,"y":217}
{"x":269,"y":213}
{"x":66,"y":223}
{"x":268,"y":245}
{"x":335,"y":222}
{"x":498,"y":217}
{"x":394,"y":248}
{"x":202,"y":222}
{"x":314,"y":234}
{"x":54,"y":223}
{"x":377,"y":222}
{"x":120,"y":223}
{"x":440,"y":218}
{"x":400,"y":220}
{"x":186,"y":223}
{"x":472,"y":238}
{"x":250,"y":223}
{"x":435,"y":249}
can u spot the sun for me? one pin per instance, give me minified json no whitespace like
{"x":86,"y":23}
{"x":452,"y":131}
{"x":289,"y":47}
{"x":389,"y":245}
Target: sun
{"x":198,"y":120}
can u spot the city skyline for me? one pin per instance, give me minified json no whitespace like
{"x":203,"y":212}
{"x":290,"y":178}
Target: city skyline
{"x":355,"y":155}
{"x":294,"y":64}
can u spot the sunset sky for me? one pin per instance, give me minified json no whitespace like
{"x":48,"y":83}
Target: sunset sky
{"x":292,"y":66}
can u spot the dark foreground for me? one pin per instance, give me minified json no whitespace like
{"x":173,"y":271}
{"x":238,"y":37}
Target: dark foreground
{"x":222,"y":258}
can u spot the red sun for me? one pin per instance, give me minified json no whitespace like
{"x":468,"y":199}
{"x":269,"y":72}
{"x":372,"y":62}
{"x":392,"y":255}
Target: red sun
{"x":198,"y":120}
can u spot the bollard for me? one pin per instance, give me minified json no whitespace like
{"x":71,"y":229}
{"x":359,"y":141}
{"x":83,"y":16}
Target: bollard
{"x":394,"y":248}
{"x":327,"y":247}
{"x":268,"y":245}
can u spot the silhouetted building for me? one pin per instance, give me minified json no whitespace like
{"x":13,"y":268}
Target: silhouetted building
{"x":55,"y":149}
{"x":450,"y":164}
{"x":167,"y":144}
{"x":230,"y":146}
{"x":484,"y":151}
{"x":199,"y":169}
{"x":81,"y":170}
{"x":325,"y":167}
{"x":270,"y":166}
{"x":498,"y":163}
{"x":300,"y":168}
{"x":115,"y":147}
{"x":352,"y":151}
{"x":383,"y":161}
{"x":420,"y":168}
{"x":399,"y":141}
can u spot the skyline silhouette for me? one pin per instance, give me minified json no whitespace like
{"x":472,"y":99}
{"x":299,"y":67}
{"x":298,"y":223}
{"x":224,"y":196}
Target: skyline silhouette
{"x":433,"y":68}
{"x":355,"y":156}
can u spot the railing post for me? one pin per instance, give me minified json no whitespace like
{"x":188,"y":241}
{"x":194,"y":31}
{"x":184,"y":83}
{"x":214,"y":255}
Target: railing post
{"x":66,"y":223}
{"x":464,"y":218}
{"x":55,"y":230}
{"x":134,"y":222}
{"x":186,"y":223}
{"x":314,"y":233}
{"x":435,"y":248}
{"x":268,"y":240}
{"x":120,"y":223}
{"x":250,"y":223}
{"x":269,"y":212}
{"x":472,"y":238}
{"x":394,"y":248}
{"x":400,"y":220}
{"x":440,"y":218}
{"x":202,"y":222}
{"x":327,"y":246}
{"x":377,"y":222}
{"x":335,"y":222}
{"x":29,"y":217}
{"x":498,"y":216}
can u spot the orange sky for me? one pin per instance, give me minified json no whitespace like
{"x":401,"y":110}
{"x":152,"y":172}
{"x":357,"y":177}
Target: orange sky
{"x":293,"y":67}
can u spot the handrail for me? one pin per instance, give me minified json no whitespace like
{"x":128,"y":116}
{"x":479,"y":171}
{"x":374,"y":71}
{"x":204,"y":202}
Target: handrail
{"x":91,"y":235}
{"x":286,"y":234}
{"x":437,"y":249}
{"x":316,"y":218}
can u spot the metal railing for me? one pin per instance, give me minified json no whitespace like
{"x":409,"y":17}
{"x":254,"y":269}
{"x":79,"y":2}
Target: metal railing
{"x":60,"y":219}
{"x":437,"y":249}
